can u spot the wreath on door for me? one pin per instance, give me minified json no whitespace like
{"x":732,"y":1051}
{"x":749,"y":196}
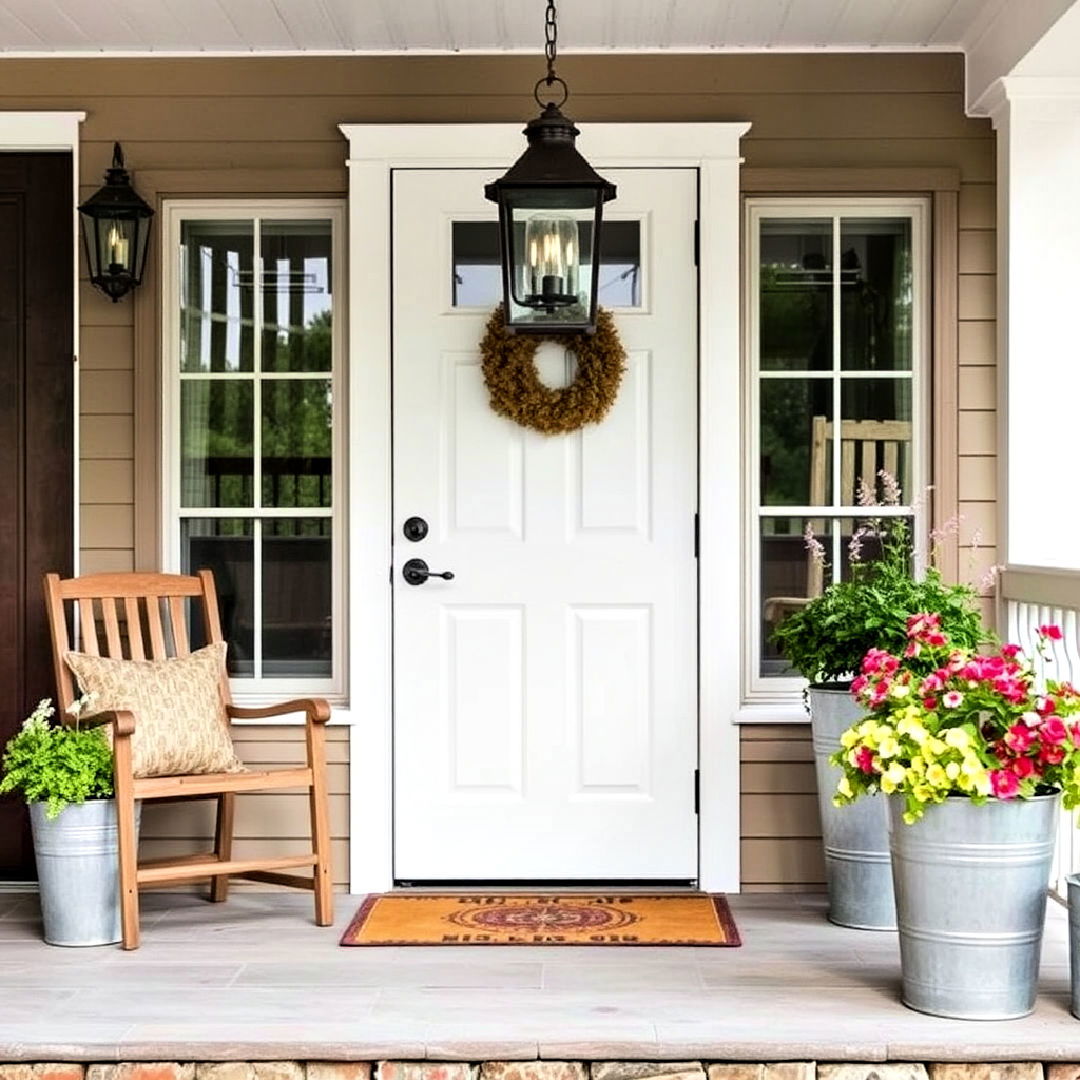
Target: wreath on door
{"x":517,"y":392}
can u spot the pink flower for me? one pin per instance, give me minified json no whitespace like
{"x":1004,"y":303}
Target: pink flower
{"x":1052,"y":732}
{"x":957,"y":660}
{"x":929,"y":702}
{"x":1019,"y":738}
{"x":913,"y":649}
{"x":953,"y":699}
{"x":1051,"y":755}
{"x":858,"y":684}
{"x":936,"y":639}
{"x":1051,"y":631}
{"x":1022,"y":767}
{"x":1011,"y":651}
{"x":932,"y":683}
{"x":864,"y":759}
{"x":1004,"y":784}
{"x":1045,"y":705}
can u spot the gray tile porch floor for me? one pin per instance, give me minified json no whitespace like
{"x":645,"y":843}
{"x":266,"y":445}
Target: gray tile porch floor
{"x":254,"y":979}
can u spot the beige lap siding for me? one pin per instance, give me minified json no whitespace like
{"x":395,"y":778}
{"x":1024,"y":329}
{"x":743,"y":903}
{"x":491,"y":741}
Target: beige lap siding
{"x":201,"y":127}
{"x":271,"y":822}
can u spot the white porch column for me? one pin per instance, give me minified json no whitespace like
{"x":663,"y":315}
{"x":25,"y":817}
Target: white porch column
{"x":1038,"y":125}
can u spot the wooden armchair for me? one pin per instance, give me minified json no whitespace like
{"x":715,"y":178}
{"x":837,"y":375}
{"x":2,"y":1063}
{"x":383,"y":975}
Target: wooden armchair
{"x":127,"y":609}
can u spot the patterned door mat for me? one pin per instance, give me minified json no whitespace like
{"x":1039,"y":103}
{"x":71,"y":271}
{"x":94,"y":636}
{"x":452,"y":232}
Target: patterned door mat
{"x":548,"y":919}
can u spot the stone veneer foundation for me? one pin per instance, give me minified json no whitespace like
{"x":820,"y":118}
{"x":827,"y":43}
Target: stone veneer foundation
{"x":537,"y":1070}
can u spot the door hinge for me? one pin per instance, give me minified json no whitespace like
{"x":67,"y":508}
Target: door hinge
{"x":697,"y":791}
{"x":697,"y":536}
{"x":697,"y":243}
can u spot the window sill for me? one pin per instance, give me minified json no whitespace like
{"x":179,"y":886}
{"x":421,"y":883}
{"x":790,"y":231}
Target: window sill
{"x":771,"y":712}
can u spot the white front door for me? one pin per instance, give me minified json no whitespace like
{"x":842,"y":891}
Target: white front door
{"x":545,"y":698}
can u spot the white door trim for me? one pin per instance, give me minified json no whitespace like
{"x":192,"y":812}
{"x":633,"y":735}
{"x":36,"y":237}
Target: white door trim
{"x":374,"y":151}
{"x":57,"y":131}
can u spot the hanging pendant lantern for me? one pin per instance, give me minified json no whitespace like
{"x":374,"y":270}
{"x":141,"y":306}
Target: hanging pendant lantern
{"x":116,"y":231}
{"x":551,"y":206}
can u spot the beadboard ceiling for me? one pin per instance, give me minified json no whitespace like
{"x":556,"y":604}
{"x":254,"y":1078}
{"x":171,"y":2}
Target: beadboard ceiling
{"x":487,"y":26}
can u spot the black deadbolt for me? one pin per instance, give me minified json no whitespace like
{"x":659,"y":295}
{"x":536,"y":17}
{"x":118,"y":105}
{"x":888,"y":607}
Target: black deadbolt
{"x":415,"y":528}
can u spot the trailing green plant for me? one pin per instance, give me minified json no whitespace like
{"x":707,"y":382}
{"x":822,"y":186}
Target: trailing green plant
{"x":57,"y":764}
{"x":826,"y":640}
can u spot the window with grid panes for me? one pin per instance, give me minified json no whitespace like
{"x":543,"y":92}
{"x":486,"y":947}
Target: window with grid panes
{"x":255,"y":425}
{"x":837,"y":318}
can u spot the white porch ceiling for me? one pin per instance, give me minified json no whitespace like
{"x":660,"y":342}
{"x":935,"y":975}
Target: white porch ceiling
{"x":490,"y":26}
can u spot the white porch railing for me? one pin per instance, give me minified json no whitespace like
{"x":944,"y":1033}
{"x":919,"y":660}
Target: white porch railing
{"x":1030,"y":597}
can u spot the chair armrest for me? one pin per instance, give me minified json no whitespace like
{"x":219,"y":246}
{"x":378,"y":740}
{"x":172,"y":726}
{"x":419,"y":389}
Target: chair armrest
{"x":317,"y":710}
{"x":123,"y":722}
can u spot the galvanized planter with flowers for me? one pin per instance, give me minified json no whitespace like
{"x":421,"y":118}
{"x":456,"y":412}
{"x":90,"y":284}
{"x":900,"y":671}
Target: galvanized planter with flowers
{"x":974,"y":759}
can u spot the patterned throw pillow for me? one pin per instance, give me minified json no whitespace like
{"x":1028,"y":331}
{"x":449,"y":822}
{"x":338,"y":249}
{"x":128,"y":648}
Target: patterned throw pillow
{"x":181,"y":726}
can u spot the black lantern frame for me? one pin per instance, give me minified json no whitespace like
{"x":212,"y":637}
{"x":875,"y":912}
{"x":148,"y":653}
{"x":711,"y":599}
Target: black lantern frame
{"x":553,"y":186}
{"x":116,"y":232}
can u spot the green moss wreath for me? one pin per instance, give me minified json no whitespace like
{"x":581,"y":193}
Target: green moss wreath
{"x":515,"y":388}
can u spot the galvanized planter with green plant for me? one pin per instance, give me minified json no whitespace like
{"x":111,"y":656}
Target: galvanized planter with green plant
{"x":825,"y":641}
{"x":65,"y":773}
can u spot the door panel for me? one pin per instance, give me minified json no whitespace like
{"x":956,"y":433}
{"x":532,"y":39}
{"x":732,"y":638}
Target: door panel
{"x":36,"y":443}
{"x":546,"y":697}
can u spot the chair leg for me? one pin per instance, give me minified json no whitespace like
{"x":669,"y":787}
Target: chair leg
{"x":226,"y":812}
{"x":128,"y":843}
{"x":320,"y":824}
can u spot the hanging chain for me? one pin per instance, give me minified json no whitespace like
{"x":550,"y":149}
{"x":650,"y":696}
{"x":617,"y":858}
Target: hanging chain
{"x":551,"y":40}
{"x":551,"y":48}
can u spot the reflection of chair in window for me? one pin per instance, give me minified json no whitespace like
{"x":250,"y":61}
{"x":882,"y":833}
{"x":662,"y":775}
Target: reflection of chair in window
{"x":866,"y":447}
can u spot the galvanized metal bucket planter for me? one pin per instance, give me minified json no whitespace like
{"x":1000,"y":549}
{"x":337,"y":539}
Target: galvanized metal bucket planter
{"x":1073,"y":883}
{"x":971,"y":886}
{"x":78,"y":872}
{"x":856,"y":837}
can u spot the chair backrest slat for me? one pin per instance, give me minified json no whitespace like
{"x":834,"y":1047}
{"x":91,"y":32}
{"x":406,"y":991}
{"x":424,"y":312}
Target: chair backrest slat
{"x":179,"y":625}
{"x":112,"y":628}
{"x":88,"y":641}
{"x":157,"y":634}
{"x":97,"y":599}
{"x":134,"y":628}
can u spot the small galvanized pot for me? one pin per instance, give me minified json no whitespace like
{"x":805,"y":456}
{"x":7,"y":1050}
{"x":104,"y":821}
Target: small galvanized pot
{"x":1073,"y":883}
{"x":971,"y":887}
{"x":856,"y":837}
{"x":78,"y":872}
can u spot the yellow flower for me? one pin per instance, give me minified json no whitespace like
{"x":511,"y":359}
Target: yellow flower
{"x":922,"y":793}
{"x":918,"y":763}
{"x":952,"y":770}
{"x":957,"y":738}
{"x":971,"y":765}
{"x":911,"y":727}
{"x":893,"y":777}
{"x":844,"y":788}
{"x":934,"y":747}
{"x":849,"y":738}
{"x":888,"y":747}
{"x":936,"y":776}
{"x":899,"y":690}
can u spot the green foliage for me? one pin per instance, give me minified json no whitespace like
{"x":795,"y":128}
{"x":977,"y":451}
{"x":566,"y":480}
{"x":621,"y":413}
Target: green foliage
{"x":827,"y":639}
{"x":57,"y":765}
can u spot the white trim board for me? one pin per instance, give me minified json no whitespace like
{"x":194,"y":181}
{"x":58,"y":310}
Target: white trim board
{"x":374,"y":151}
{"x":59,"y":132}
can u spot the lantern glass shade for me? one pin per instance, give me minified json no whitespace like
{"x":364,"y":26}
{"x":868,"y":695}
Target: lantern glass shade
{"x":115,"y":251}
{"x":548,"y":240}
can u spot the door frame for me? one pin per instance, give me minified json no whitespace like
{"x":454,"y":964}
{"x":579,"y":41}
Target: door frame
{"x":375,"y":150}
{"x":59,"y":132}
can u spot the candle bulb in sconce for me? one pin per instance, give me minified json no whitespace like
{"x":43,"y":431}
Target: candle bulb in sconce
{"x":118,"y":248}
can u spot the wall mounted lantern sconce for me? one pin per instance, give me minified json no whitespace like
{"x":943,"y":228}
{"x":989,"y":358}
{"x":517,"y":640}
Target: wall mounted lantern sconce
{"x":551,"y":206}
{"x":116,"y":231}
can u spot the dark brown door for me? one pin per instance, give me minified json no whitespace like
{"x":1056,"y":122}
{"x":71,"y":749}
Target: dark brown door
{"x":36,"y":442}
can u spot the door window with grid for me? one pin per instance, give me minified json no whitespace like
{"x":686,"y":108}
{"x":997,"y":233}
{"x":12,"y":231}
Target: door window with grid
{"x":253,"y":457}
{"x":837,"y":321}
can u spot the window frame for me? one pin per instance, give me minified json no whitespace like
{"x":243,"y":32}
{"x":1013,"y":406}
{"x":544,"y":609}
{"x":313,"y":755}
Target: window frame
{"x":264,"y":689}
{"x":758,"y":689}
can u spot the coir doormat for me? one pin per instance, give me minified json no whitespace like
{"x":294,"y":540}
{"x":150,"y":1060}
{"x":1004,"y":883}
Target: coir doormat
{"x":549,"y":919}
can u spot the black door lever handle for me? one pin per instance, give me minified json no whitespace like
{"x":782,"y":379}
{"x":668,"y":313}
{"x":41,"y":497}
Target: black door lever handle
{"x":416,"y":572}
